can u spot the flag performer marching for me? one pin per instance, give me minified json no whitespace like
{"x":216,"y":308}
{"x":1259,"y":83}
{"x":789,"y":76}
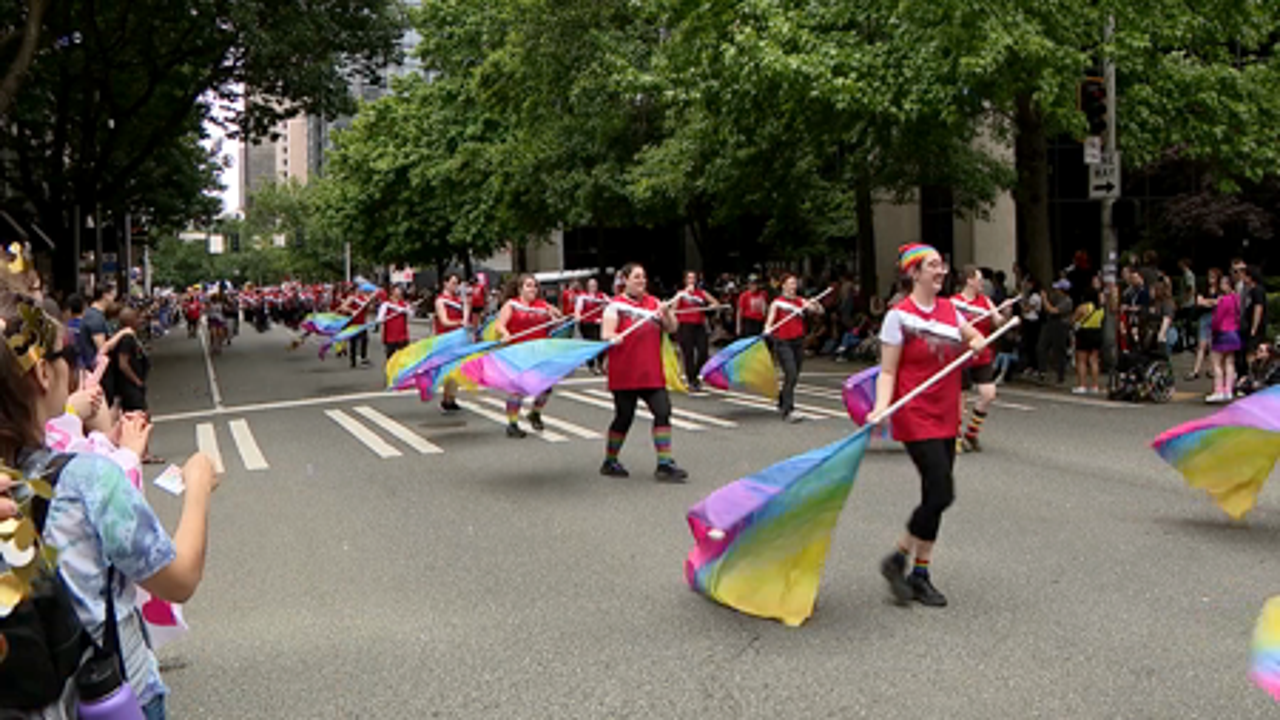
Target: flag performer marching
{"x":588,"y":308}
{"x":786,"y":327}
{"x":761,"y":542}
{"x":920,"y":335}
{"x":691,"y":331}
{"x":523,"y":318}
{"x":977,"y":309}
{"x":453,"y":312}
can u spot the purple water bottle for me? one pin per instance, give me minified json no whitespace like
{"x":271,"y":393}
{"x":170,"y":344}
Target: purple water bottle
{"x":104,"y":695}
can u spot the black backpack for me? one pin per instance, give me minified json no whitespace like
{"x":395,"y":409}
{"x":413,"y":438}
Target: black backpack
{"x":42,"y":641}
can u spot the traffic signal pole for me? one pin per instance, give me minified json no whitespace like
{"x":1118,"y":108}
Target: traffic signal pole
{"x":1110,"y":243}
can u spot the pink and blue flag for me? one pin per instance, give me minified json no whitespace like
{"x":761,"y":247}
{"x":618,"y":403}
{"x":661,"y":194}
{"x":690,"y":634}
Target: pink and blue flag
{"x":744,"y":365}
{"x":406,"y":363}
{"x":344,"y":336}
{"x":761,"y":542}
{"x":859,"y":395}
{"x":325,"y":323}
{"x":530,"y":368}
{"x":1230,"y":453}
{"x":446,"y":364}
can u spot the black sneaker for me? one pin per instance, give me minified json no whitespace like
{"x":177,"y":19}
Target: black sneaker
{"x":924,"y":592}
{"x":535,"y":421}
{"x":613,"y":468}
{"x":670,"y":472}
{"x":450,"y":407}
{"x":514,"y":431}
{"x":894,"y":569}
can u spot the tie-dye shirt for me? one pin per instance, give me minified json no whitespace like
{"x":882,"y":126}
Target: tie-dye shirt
{"x":98,"y":519}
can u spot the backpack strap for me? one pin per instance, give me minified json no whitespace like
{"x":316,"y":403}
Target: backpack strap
{"x":52,"y":473}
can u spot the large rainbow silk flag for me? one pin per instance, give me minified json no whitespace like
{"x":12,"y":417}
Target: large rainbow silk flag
{"x":446,"y":365}
{"x":671,"y":372}
{"x":745,"y":365}
{"x":761,"y":542}
{"x":563,"y":331}
{"x":490,"y":330}
{"x":406,"y":363}
{"x":1265,"y":649}
{"x":1230,"y":453}
{"x":530,"y":368}
{"x":325,"y":323}
{"x":344,"y":336}
{"x":859,"y":394}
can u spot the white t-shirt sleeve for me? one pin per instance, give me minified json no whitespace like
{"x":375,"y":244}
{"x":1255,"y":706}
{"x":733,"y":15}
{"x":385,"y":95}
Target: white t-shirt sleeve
{"x":891,"y":329}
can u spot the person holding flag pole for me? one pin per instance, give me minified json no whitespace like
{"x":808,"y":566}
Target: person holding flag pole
{"x":523,"y":318}
{"x":588,"y":308}
{"x":977,"y":309}
{"x":452,"y":311}
{"x":636,"y":371}
{"x":691,"y":304}
{"x":786,"y":327}
{"x":921,"y":335}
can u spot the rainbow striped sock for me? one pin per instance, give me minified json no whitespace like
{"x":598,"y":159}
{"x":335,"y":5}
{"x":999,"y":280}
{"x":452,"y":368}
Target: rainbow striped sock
{"x":513,"y":410}
{"x":975,"y":424}
{"x":921,"y":569}
{"x":662,"y":443}
{"x":613,"y":445}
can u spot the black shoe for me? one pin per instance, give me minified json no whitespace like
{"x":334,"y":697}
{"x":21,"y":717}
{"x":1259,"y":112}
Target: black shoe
{"x":450,"y":407}
{"x":924,"y":592}
{"x":514,"y":431}
{"x":613,"y":468}
{"x":971,"y":444}
{"x":535,"y":421}
{"x":669,"y":472}
{"x":894,"y":569}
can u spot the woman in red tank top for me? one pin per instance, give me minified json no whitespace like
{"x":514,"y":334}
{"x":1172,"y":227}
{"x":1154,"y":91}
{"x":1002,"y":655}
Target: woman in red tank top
{"x":919,"y":337}
{"x":588,"y":309}
{"x":452,"y":312}
{"x":522,"y":318}
{"x":691,"y":314}
{"x":786,"y":328}
{"x":973,"y":302}
{"x":635,"y":371}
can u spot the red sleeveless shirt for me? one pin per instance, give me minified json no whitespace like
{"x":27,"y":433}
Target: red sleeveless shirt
{"x":452,"y":312}
{"x":929,"y":340}
{"x":981,"y":304}
{"x":526,"y":317}
{"x":636,"y":364}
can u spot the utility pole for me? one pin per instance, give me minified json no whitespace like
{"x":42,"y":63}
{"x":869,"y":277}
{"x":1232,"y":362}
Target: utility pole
{"x":1110,"y":243}
{"x":346,"y":260}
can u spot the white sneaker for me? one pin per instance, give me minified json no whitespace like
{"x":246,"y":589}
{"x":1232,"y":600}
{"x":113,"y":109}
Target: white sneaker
{"x":1079,"y":390}
{"x":1095,"y":390}
{"x":1215,"y":398}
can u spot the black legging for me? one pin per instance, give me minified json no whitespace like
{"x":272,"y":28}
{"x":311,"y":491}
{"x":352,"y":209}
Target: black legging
{"x":591,"y":331}
{"x":935,"y":460}
{"x":791,"y":358}
{"x":751,"y":327}
{"x":624,"y":408}
{"x":359,"y":343}
{"x":693,"y":346}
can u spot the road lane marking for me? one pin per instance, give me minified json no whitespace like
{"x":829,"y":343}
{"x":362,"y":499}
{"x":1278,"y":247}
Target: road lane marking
{"x":214,"y":392}
{"x":407,"y":436}
{"x":640,"y":412}
{"x":678,"y":412}
{"x":810,"y":409}
{"x":1067,"y":399}
{"x":371,"y":440}
{"x":827,"y":393}
{"x":501,"y":419}
{"x":250,"y":453}
{"x":207,"y":443}
{"x":769,"y":408}
{"x":321,"y":400}
{"x":562,"y":425}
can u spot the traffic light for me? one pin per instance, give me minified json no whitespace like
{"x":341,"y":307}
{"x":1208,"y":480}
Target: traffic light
{"x":1093,"y":103}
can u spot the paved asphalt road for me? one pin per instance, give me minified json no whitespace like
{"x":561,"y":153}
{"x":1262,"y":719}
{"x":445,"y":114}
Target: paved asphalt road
{"x":372,"y":558}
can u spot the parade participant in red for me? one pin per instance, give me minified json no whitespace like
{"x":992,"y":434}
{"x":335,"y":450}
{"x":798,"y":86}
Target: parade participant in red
{"x":395,"y":322}
{"x":476,"y":297}
{"x":971,"y":302}
{"x":786,"y":328}
{"x":920,"y":336}
{"x":752,"y":304}
{"x":191,"y":309}
{"x":569,"y":298}
{"x":525,"y":317}
{"x":588,"y":308}
{"x":451,"y":313}
{"x":359,"y":304}
{"x":691,"y":316}
{"x":635,"y":372}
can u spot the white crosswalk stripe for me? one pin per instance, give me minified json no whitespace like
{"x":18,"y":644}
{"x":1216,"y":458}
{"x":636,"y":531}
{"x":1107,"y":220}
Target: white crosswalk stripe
{"x":563,"y":425}
{"x":828,"y":393}
{"x":250,"y":453}
{"x":678,"y":412}
{"x":400,"y":432}
{"x":809,"y":409}
{"x":207,"y":443}
{"x":641,"y":412}
{"x":369,"y":438}
{"x":548,"y":435}
{"x":764,"y":405}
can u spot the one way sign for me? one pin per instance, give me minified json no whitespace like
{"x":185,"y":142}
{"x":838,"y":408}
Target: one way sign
{"x":1104,"y":180}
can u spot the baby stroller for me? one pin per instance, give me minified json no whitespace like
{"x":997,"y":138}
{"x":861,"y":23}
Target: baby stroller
{"x":1143,"y":372}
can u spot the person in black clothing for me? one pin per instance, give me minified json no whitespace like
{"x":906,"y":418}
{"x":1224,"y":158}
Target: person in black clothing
{"x":1253,"y":320}
{"x":130,"y":366}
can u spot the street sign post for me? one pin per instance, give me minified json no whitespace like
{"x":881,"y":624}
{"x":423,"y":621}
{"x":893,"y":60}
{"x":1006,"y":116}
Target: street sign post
{"x":1093,"y":150}
{"x":1104,"y":179}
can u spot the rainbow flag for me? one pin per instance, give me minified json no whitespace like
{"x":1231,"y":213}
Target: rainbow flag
{"x":859,"y":395}
{"x":1230,"y":453}
{"x":671,"y":366}
{"x":563,"y":331}
{"x":325,"y":323}
{"x":490,"y":330}
{"x":405,"y":364}
{"x":761,"y":542}
{"x":530,"y":368}
{"x":344,"y":336}
{"x":446,"y":365}
{"x":745,"y":365}
{"x":1265,"y":649}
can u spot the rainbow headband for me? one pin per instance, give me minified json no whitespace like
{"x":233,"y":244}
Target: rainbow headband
{"x":911,"y":255}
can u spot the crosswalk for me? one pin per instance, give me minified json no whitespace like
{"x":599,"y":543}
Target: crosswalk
{"x":361,"y":428}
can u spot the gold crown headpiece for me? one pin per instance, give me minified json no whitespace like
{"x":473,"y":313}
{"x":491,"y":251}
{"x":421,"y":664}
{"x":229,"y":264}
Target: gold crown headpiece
{"x":20,"y":257}
{"x":34,"y":336}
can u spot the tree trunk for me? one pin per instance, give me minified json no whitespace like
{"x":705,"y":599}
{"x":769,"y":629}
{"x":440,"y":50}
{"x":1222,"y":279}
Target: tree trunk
{"x":865,"y":207}
{"x":21,"y":63}
{"x":1032,"y":193}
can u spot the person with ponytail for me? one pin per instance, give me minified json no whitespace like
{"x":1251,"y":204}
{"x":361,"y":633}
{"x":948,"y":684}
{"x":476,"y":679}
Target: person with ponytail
{"x":452,"y":312}
{"x":525,"y":317}
{"x":691,"y":317}
{"x":97,"y":521}
{"x":920,"y":335}
{"x":635,"y":371}
{"x":786,"y":330}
